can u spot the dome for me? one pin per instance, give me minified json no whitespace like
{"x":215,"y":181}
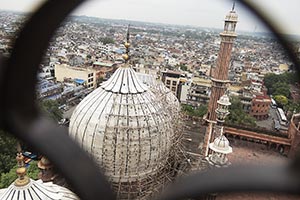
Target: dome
{"x":224,"y":100}
{"x":36,"y":190}
{"x":221,"y":145}
{"x":161,"y":91}
{"x":125,"y":127}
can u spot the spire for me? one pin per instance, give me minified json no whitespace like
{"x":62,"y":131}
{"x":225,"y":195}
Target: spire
{"x":21,"y":170}
{"x":20,"y":157}
{"x":233,"y":5}
{"x":126,"y":56}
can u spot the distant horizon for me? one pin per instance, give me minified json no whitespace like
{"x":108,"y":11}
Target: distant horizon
{"x":198,"y":13}
{"x":266,"y":32}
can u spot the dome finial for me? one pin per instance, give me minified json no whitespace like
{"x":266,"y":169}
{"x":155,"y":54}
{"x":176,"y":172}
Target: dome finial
{"x":126,"y":56}
{"x":21,"y":170}
{"x":233,"y":5}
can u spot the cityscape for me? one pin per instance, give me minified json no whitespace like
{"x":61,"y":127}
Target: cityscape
{"x":151,"y":102}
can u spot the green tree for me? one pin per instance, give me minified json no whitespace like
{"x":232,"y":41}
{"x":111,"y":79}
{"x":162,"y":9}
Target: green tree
{"x":200,"y":111}
{"x":8,"y":146}
{"x":281,"y":88}
{"x":237,"y":114}
{"x":107,"y":40}
{"x":279,"y":84}
{"x":187,"y":108}
{"x":50,"y":107}
{"x":293,"y":107}
{"x":33,"y":170}
{"x":183,"y":67}
{"x":197,"y":112}
{"x":8,"y":178}
{"x":281,"y":100}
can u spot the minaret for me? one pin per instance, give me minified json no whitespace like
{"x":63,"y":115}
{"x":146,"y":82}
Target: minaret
{"x":220,"y":73}
{"x":220,"y":147}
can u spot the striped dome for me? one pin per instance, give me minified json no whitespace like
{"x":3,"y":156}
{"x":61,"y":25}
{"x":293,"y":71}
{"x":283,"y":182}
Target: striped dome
{"x":37,"y":190}
{"x":125,"y":127}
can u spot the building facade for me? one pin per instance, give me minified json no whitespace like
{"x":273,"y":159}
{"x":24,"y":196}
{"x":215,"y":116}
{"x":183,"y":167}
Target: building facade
{"x":84,"y":76}
{"x":173,"y":80}
{"x":294,"y":135}
{"x":260,"y":107}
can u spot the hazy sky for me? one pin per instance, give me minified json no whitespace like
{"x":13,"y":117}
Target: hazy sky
{"x":206,"y":13}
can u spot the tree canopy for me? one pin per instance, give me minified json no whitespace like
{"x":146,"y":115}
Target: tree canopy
{"x":281,"y":100}
{"x":279,"y":84}
{"x":8,"y":145}
{"x":197,"y":112}
{"x":7,"y":178}
{"x":237,"y":114}
{"x":50,"y":107}
{"x":107,"y":40}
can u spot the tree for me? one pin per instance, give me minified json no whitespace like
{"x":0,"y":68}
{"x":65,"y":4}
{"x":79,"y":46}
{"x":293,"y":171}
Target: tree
{"x":8,"y":178}
{"x":281,"y":100}
{"x":187,"y":108}
{"x":237,"y":114}
{"x":200,"y":111}
{"x":33,"y":170}
{"x":50,"y":107}
{"x":197,"y":112}
{"x":279,"y":84}
{"x":183,"y":67}
{"x":281,"y":89}
{"x":107,"y":40}
{"x":8,"y":146}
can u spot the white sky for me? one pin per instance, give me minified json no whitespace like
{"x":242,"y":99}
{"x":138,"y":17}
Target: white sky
{"x":205,"y":13}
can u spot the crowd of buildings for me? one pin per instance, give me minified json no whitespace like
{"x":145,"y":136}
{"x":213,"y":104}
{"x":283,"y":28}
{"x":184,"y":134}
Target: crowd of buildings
{"x":86,"y":51}
{"x":130,"y":129}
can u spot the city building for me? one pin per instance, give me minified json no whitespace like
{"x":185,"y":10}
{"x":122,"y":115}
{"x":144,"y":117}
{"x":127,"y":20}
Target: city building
{"x":81,"y":75}
{"x":260,"y":107}
{"x":49,"y":90}
{"x":173,"y":80}
{"x":199,"y":92}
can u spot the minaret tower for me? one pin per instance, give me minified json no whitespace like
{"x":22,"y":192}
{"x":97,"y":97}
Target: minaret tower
{"x":220,"y":73}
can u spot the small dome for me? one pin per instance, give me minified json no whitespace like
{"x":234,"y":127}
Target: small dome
{"x":37,"y":190}
{"x":224,"y":100}
{"x":44,"y":163}
{"x":221,"y":145}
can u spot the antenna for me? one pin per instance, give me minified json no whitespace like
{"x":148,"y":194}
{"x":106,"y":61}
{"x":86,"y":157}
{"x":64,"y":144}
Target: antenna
{"x":233,"y":6}
{"x":128,"y":34}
